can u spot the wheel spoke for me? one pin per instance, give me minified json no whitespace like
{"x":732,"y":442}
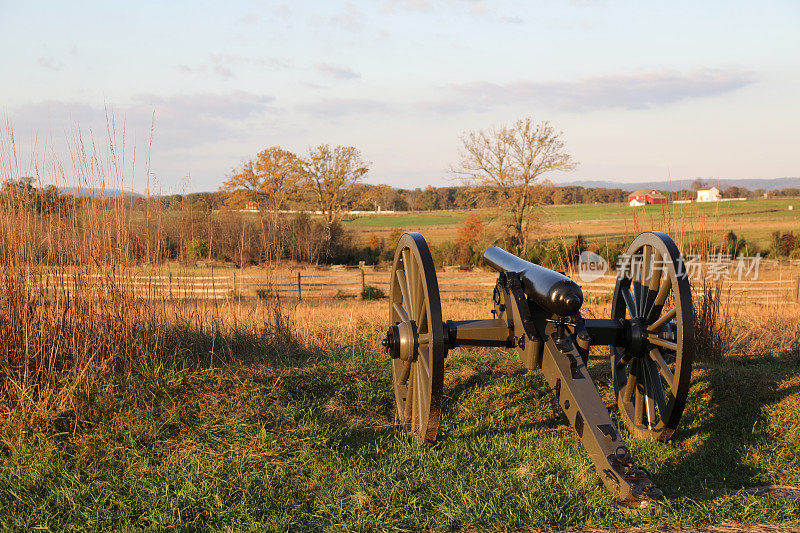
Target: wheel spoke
{"x":405,"y":373}
{"x":402,"y":281}
{"x":653,"y":391}
{"x":636,"y":289}
{"x":630,"y":304}
{"x":408,"y":269}
{"x":409,"y":400}
{"x":663,"y":367}
{"x":401,"y":312}
{"x":654,"y":285}
{"x":644,"y":283}
{"x":422,"y":309}
{"x":424,"y":364}
{"x":638,"y":406}
{"x":630,"y":386}
{"x":663,"y":292}
{"x":416,"y":413}
{"x":414,"y":285}
{"x":422,"y":388}
{"x":658,"y":341}
{"x":658,"y":324}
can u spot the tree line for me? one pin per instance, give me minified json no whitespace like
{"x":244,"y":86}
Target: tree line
{"x":502,"y":168}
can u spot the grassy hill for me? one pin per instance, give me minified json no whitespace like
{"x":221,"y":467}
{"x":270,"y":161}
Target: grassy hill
{"x":754,"y":220}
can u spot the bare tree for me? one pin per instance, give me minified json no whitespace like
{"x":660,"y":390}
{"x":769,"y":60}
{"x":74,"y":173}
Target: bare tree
{"x":511,"y":159}
{"x":331,"y":174}
{"x":270,"y":180}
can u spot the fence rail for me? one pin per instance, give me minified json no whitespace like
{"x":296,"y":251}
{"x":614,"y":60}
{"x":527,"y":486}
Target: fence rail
{"x":351,"y":282}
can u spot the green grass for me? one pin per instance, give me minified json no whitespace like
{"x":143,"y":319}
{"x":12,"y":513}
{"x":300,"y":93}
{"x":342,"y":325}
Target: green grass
{"x":301,"y":438}
{"x":426,"y":219}
{"x":754,"y":220}
{"x":772,"y":208}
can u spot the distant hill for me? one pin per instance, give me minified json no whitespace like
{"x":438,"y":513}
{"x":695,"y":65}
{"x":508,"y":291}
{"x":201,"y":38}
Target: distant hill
{"x":675,"y":185}
{"x":106,"y":193}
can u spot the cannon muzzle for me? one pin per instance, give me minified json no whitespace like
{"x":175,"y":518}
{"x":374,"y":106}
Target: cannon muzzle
{"x":549,"y":289}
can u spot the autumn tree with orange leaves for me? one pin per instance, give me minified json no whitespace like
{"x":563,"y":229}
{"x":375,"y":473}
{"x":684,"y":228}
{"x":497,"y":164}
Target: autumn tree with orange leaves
{"x":331,"y":175}
{"x":270,"y":180}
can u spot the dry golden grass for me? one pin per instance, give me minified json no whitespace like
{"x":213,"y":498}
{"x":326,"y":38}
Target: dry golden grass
{"x":121,"y":412}
{"x":71,"y":306}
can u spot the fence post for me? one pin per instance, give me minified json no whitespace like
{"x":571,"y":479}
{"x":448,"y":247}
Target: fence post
{"x":234,"y":285}
{"x":797,"y":289}
{"x":299,"y":294}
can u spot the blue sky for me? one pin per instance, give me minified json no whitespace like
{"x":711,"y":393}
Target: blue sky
{"x":641,"y":90}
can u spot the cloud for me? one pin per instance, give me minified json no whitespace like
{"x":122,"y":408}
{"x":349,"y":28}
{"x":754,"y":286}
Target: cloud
{"x":335,"y":108}
{"x":213,"y":67}
{"x":350,"y":19}
{"x":476,"y":7}
{"x":181,"y":120}
{"x":221,"y":65}
{"x":336,"y":72}
{"x":414,"y":5}
{"x":281,"y":11}
{"x":232,"y":105}
{"x":250,"y":18}
{"x":629,"y":91}
{"x":50,"y":63}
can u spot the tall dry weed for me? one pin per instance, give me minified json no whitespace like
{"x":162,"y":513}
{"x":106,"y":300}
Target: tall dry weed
{"x":75,"y":296}
{"x":712,"y":323}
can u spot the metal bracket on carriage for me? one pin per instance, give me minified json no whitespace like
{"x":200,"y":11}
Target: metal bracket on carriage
{"x":642,"y":487}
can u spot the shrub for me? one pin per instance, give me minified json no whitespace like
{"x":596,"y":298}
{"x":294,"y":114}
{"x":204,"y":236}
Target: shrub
{"x":198,"y":248}
{"x":445,"y":253}
{"x":470,"y":233}
{"x":712,"y":334}
{"x":370,"y":292}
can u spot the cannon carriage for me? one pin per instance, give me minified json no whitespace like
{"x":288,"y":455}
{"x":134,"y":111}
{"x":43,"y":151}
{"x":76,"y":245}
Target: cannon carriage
{"x":536,"y":312}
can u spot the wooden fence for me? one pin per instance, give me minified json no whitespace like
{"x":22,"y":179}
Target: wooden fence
{"x":350,"y":282}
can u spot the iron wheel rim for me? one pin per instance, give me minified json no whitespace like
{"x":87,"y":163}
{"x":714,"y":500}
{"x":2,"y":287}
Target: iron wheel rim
{"x":414,"y":295}
{"x":651,"y":388}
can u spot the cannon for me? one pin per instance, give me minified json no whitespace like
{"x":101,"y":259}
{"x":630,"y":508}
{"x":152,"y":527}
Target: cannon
{"x":536,"y":312}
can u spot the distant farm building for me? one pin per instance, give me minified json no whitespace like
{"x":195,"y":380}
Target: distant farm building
{"x":644,"y":197}
{"x":251,"y":206}
{"x":708,"y":195}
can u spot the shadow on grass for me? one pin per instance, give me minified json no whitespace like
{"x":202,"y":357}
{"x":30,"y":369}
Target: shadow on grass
{"x":726,"y":441}
{"x":728,"y":438}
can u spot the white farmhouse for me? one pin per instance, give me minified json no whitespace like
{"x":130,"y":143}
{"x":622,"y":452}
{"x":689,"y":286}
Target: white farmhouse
{"x":708,"y":195}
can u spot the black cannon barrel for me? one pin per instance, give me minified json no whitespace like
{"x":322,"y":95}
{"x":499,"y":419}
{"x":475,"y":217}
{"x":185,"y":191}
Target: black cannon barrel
{"x":549,"y":289}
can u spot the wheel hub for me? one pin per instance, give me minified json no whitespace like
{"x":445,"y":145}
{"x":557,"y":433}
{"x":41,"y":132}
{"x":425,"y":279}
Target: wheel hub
{"x":638,"y":338}
{"x":402,"y":341}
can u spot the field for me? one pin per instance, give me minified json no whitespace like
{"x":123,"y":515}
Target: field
{"x":754,"y":220}
{"x":127,"y":403}
{"x":282,"y":419}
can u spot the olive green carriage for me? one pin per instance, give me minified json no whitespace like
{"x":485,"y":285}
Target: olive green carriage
{"x":536,"y":312}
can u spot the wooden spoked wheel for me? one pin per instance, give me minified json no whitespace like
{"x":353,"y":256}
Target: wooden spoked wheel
{"x":418,"y":339}
{"x":652,"y":374}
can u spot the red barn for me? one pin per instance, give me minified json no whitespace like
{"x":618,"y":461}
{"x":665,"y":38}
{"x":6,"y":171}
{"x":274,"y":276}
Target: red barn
{"x":643,"y":197}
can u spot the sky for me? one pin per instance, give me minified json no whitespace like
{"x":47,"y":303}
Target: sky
{"x":641,"y":90}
